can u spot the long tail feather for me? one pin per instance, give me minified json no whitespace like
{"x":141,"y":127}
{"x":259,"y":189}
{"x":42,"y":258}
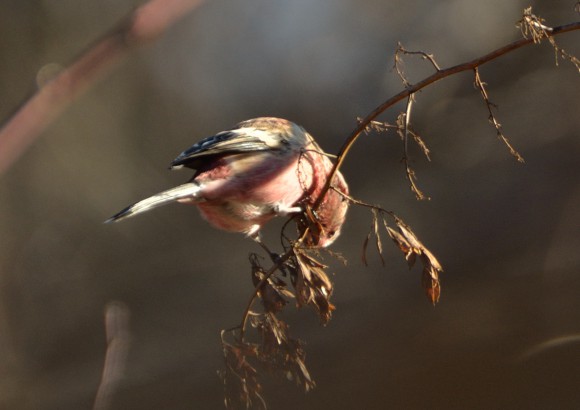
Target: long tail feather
{"x":190,"y":189}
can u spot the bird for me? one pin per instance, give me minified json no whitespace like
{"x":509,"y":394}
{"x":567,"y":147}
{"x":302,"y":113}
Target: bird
{"x":261,"y":168}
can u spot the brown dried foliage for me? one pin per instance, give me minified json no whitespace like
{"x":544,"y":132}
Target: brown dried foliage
{"x":298,"y":273}
{"x":410,"y":245}
{"x":242,"y":388}
{"x":407,"y":242}
{"x":533,"y":27}
{"x":274,"y":350}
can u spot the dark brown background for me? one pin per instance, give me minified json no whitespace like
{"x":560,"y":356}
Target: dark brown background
{"x":506,"y":234}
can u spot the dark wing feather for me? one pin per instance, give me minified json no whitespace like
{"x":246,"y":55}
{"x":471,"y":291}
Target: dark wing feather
{"x":223,"y":143}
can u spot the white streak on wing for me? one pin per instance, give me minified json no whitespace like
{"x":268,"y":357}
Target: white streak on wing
{"x":262,"y":135}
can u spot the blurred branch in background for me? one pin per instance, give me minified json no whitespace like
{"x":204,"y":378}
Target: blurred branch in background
{"x":118,"y":338}
{"x":141,"y":27}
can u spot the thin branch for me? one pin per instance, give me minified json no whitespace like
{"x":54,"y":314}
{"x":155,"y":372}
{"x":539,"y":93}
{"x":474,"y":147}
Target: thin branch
{"x":398,"y":67}
{"x":424,"y":56}
{"x":367,"y":205}
{"x":492,"y":119}
{"x":439,"y":75}
{"x":141,"y":27}
{"x":404,"y":131}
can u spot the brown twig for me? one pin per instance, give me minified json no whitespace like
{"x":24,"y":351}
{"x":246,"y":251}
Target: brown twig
{"x":425,"y":56}
{"x":141,"y":27}
{"x":404,"y":119}
{"x":404,"y":131}
{"x":480,"y":85}
{"x":437,"y":76}
{"x":399,"y":62}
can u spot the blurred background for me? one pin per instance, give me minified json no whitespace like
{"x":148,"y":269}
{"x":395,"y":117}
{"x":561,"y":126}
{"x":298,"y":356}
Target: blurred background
{"x":506,"y":333}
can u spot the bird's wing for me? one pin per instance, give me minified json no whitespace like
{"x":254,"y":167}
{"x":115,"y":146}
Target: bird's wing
{"x":240,"y":140}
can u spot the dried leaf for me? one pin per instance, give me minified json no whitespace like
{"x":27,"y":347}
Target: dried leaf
{"x":378,"y":243}
{"x":432,"y":260}
{"x":306,"y":380}
{"x":378,"y":236}
{"x":312,"y":261}
{"x":364,"y":250}
{"x":409,"y":236}
{"x":411,"y":257}
{"x":272,"y":290}
{"x":273,"y":329}
{"x":309,"y":221}
{"x":304,"y":267}
{"x":304,"y":294}
{"x":399,"y":240}
{"x":313,"y":287}
{"x":412,"y":248}
{"x":431,"y":284}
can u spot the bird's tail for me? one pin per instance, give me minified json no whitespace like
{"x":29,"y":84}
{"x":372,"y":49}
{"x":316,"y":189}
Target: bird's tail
{"x":191,"y":189}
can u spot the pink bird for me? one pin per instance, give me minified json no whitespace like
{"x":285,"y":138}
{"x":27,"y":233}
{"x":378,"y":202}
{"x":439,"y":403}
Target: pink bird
{"x":262,"y":168}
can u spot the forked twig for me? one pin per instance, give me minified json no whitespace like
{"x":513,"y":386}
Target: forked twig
{"x":399,"y":62}
{"x":404,"y":131}
{"x":439,"y":75}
